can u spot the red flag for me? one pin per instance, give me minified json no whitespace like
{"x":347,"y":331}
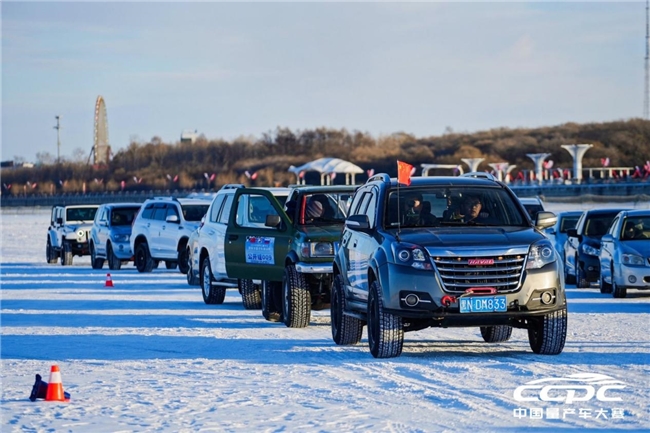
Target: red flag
{"x":404,"y":171}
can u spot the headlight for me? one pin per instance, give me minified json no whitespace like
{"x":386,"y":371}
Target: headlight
{"x":317,"y":249}
{"x":632,"y":259}
{"x":411,"y":255}
{"x":541,"y":254}
{"x":120,"y":238}
{"x":590,"y":251}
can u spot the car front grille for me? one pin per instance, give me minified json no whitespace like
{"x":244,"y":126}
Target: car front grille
{"x":459,"y":273}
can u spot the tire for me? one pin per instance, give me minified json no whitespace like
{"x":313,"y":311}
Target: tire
{"x":183,"y":260}
{"x":192,"y":279}
{"x":250,"y":294}
{"x":143,"y":260}
{"x":547,"y":334}
{"x":271,"y":305}
{"x":346,"y":330}
{"x":385,"y":330}
{"x":51,"y":255}
{"x":66,"y":255}
{"x":618,"y":291}
{"x":496,"y":334}
{"x":114,"y":263}
{"x":170,"y":265}
{"x":211,"y":294}
{"x":604,"y":286}
{"x":94,"y":261}
{"x":570,"y":279}
{"x":296,"y":299}
{"x":581,"y":281}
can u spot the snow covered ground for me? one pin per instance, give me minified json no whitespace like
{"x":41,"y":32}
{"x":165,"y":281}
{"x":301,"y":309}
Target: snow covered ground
{"x":148,"y":355}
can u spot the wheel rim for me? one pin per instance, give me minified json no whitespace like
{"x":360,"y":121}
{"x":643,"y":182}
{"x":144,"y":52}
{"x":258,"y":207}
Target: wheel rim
{"x":206,"y":280}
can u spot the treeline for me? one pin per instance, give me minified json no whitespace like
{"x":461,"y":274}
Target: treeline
{"x":206,"y":164}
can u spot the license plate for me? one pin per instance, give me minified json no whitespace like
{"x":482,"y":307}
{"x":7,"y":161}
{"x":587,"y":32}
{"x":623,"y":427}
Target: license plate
{"x":483,"y":304}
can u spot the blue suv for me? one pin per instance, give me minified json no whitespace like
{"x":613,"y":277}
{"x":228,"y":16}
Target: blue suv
{"x":475,"y":259}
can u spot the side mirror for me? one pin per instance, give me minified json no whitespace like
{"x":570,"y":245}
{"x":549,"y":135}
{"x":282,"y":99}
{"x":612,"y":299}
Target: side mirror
{"x":545,"y":219}
{"x":172,"y":219}
{"x":358,"y":222}
{"x":550,"y":230}
{"x":273,"y":221}
{"x":59,"y":221}
{"x":607,"y":238}
{"x":572,"y":233}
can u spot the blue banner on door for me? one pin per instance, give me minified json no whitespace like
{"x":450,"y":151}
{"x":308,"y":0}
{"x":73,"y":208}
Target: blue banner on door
{"x":259,"y":250}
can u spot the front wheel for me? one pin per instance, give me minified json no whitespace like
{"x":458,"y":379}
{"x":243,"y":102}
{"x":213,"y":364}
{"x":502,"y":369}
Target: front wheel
{"x":606,"y":287}
{"x":183,"y":260}
{"x":95,"y":262}
{"x":114,"y":263}
{"x":296,"y":305}
{"x":496,"y":334}
{"x":250,"y":294}
{"x":617,"y":290}
{"x":192,"y":279}
{"x":346,"y":330}
{"x":143,"y":260}
{"x":66,"y":254}
{"x":547,"y":334}
{"x":271,"y":304}
{"x":385,"y":330}
{"x":211,"y":294}
{"x":50,"y":254}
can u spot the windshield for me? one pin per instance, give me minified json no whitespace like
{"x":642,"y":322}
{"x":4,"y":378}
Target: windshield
{"x":80,"y":214}
{"x":636,"y":228}
{"x":194,"y":212}
{"x":123,"y":216}
{"x":323,"y":208}
{"x":451,"y":206}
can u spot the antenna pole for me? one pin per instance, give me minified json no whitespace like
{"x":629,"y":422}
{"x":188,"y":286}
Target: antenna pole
{"x":646,"y":94}
{"x":58,"y":139}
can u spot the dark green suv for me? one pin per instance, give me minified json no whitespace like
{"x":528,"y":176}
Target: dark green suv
{"x":290,"y":250}
{"x":445,"y":252}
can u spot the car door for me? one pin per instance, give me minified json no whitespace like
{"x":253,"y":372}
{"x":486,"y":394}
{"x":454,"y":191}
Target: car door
{"x":251,"y":246}
{"x":169,"y":232}
{"x":571,"y":246}
{"x":607,"y":248}
{"x":359,"y":247}
{"x":154,"y":228}
{"x":101,"y":231}
{"x":207,"y":239}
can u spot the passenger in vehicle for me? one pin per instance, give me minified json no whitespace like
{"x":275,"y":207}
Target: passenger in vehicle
{"x":313,"y":211}
{"x":418,"y":211}
{"x":470,"y":211}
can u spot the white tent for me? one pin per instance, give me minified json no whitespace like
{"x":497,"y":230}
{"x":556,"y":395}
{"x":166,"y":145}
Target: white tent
{"x":327,"y":166}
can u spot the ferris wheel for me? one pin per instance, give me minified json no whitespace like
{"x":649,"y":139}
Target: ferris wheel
{"x":101,"y":149}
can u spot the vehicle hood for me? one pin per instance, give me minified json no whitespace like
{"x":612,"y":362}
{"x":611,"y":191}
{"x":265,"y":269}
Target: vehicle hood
{"x":121,"y":230}
{"x":468,"y":237}
{"x":640,"y":247}
{"x":330,"y":232}
{"x":77,"y":227}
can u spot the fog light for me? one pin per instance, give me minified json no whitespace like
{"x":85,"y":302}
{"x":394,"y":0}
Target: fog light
{"x":546,"y":298}
{"x":631,"y":279}
{"x":411,"y":300}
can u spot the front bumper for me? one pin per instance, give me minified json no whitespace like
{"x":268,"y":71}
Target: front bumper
{"x":122,"y":250}
{"x":438,"y":304}
{"x":590,"y":266}
{"x":633,"y":277}
{"x":314,"y":268}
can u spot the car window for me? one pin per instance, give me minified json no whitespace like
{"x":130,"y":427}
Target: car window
{"x":253,"y":209}
{"x":216,"y":207}
{"x":81,"y":214}
{"x":160,"y":212}
{"x":147,"y":213}
{"x":225,"y":210}
{"x":568,"y":223}
{"x":194,"y":212}
{"x":636,"y":228}
{"x":123,"y":216}
{"x":597,"y":226}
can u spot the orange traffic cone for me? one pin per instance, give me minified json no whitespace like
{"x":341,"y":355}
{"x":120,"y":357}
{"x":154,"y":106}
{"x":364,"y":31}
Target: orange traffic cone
{"x":55,"y":387}
{"x":109,"y":282}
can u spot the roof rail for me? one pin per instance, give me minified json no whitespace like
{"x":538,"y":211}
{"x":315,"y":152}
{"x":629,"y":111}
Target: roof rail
{"x":233,"y":186}
{"x":479,"y":175}
{"x":380,"y":176}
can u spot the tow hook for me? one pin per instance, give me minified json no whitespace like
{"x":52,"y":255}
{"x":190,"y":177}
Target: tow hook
{"x":448,"y":300}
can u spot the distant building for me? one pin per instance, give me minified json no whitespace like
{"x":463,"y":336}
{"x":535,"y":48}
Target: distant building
{"x":189,"y":136}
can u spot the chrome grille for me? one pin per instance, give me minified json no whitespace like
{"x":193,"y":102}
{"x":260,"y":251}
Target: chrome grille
{"x":458,"y":275}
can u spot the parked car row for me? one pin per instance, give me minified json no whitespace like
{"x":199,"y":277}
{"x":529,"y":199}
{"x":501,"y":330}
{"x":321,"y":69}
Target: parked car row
{"x":458,"y":251}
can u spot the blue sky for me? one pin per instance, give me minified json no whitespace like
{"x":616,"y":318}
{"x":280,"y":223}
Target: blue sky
{"x":243,"y":69}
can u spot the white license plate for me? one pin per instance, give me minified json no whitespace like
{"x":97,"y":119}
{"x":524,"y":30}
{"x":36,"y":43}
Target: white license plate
{"x":483,"y":304}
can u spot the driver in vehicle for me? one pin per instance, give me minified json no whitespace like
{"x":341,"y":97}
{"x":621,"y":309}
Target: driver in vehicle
{"x":469,"y":211}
